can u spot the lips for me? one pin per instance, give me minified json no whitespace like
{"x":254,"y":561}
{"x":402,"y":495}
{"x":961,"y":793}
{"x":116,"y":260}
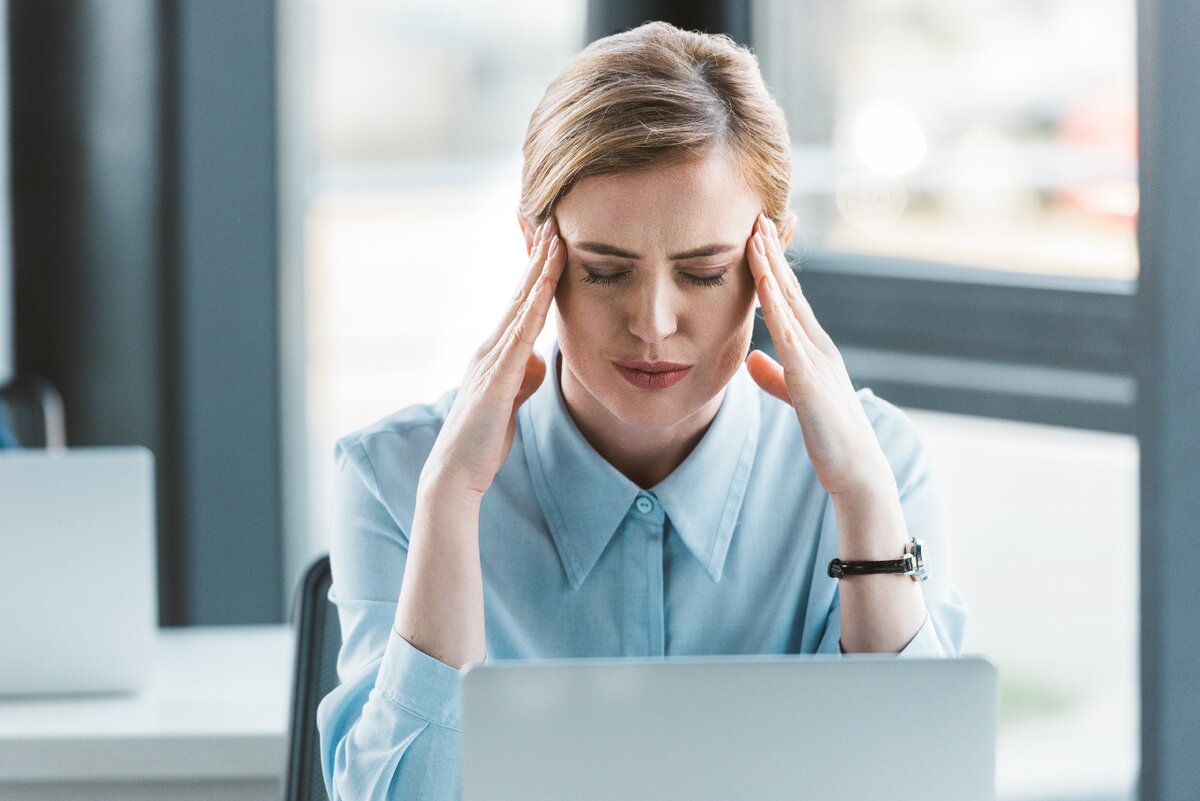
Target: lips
{"x":652,"y":375}
{"x":653,"y":367}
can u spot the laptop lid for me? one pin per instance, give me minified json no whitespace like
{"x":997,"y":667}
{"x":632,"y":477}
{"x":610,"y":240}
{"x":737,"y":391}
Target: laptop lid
{"x":78,"y":586}
{"x":771,"y":728}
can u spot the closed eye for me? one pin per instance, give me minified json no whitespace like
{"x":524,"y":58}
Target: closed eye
{"x":707,"y":280}
{"x":608,"y":279}
{"x":590,"y":277}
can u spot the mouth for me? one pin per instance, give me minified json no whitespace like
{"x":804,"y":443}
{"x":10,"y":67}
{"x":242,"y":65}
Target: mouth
{"x":652,"y":375}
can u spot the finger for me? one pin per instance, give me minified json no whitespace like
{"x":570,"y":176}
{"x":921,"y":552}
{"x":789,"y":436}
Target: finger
{"x":786,"y":331}
{"x":537,"y":260}
{"x":537,"y":257}
{"x":792,"y":291}
{"x":537,"y":311}
{"x":556,"y":257}
{"x":768,"y":374}
{"x":516,"y":344}
{"x":790,"y":287}
{"x":791,"y":343}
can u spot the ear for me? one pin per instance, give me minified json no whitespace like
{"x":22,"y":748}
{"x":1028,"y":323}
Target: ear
{"x":789,"y":229}
{"x":527,"y":231}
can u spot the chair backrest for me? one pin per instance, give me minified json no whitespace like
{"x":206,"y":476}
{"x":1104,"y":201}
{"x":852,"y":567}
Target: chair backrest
{"x":34,"y":411}
{"x":318,"y":640}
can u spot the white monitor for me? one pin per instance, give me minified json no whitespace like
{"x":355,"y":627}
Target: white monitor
{"x":78,"y":578}
{"x":772,"y":728}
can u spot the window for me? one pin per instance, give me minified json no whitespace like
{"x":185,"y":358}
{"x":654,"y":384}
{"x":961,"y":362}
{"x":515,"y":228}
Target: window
{"x":966,"y":182}
{"x":410,"y":218}
{"x":986,"y":134}
{"x":965,"y":177}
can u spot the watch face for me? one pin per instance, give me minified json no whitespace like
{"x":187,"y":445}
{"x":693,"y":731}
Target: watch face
{"x":916,"y":551}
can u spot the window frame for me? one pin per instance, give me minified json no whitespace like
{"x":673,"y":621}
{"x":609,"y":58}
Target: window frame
{"x":1057,"y":350}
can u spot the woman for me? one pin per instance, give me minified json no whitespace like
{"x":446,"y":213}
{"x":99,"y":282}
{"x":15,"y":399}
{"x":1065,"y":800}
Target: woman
{"x":638,"y":491}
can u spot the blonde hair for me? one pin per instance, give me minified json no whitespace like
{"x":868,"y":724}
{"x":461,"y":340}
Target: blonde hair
{"x":654,"y":96}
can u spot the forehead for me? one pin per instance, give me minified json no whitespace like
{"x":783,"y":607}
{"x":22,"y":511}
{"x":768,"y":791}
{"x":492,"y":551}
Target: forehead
{"x":661,"y":210}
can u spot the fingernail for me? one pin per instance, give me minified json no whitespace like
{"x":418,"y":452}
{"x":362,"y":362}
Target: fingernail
{"x":758,"y":243}
{"x":553,"y":246}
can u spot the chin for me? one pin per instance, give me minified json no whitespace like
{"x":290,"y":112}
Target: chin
{"x":666,"y":413}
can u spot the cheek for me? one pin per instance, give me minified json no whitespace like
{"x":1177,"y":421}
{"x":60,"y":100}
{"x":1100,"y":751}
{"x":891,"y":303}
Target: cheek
{"x":580,"y":316}
{"x":735,"y":313}
{"x":736,"y":335}
{"x":735,"y":332}
{"x":570,"y":306}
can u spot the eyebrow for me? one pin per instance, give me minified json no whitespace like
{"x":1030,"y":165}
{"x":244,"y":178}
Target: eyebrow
{"x":601,"y":249}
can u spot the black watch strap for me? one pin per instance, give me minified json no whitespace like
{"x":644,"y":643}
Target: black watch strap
{"x":838,"y":568}
{"x":911,"y":564}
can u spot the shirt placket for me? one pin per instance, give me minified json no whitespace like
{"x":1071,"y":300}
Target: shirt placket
{"x":643,"y":565}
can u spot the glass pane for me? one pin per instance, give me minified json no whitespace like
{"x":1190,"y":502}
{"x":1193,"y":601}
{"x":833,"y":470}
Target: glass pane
{"x":986,"y":133}
{"x":412,"y":248}
{"x":1046,"y":542}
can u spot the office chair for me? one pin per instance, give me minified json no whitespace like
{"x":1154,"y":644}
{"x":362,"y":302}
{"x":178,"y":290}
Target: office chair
{"x":318,"y":639}
{"x":34,"y":411}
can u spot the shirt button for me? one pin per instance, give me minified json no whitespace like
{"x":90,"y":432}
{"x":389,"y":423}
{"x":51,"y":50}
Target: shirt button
{"x":644,"y":504}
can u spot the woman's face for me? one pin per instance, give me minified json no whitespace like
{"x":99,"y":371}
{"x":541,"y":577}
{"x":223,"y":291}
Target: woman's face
{"x":656,"y":272}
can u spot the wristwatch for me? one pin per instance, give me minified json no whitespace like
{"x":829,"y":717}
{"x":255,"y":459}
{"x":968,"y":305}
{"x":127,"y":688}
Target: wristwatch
{"x":911,"y":564}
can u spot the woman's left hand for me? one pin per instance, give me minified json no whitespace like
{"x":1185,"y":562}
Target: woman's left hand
{"x":840,"y":440}
{"x":882,"y":613}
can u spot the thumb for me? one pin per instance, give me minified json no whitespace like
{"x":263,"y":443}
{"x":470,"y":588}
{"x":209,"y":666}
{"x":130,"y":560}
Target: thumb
{"x":767,"y":373}
{"x":535,"y":372}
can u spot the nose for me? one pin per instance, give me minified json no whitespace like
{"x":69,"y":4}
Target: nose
{"x":655,"y":312}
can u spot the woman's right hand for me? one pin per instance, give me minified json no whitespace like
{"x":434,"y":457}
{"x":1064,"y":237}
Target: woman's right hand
{"x":478,"y":432}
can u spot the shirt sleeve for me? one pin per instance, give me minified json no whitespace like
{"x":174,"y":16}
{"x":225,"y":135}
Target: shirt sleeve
{"x":392,"y":728}
{"x":941,"y":634}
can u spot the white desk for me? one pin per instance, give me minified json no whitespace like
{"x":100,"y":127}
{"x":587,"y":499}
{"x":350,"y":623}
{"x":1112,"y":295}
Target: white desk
{"x":211,"y":725}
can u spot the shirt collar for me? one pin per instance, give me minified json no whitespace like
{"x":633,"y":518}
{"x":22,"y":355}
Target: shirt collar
{"x":584,"y":498}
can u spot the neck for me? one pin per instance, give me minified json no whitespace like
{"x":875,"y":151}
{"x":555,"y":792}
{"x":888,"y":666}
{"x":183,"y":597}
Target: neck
{"x":645,"y":456}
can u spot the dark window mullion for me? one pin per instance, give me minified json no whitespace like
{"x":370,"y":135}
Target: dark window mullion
{"x":1045,"y":349}
{"x":1079,"y":323}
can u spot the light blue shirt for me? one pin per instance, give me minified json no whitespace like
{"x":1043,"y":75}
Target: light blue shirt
{"x":727,"y":555}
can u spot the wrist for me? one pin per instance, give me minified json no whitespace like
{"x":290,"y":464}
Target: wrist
{"x":442,"y":490}
{"x":871,"y":480}
{"x":874,"y":497}
{"x":871,"y":525}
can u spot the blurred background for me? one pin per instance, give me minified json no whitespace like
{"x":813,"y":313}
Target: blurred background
{"x":243,"y":230}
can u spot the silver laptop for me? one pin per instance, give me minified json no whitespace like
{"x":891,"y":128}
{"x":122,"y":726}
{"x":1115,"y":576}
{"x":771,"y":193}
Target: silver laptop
{"x":775,"y":728}
{"x":78,"y":593}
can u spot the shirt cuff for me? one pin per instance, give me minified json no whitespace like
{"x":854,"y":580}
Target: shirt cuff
{"x":426,"y":687}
